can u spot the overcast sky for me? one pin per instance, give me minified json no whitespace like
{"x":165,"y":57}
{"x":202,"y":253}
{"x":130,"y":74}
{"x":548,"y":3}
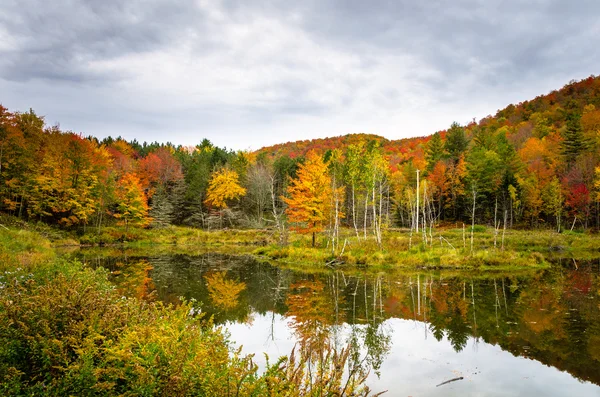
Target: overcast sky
{"x":245,"y":74}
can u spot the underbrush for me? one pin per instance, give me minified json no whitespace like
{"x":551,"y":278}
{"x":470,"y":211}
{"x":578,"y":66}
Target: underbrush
{"x":23,"y":248}
{"x":66,"y":330}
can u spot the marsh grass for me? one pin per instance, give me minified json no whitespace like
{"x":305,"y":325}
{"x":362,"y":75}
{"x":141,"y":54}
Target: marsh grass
{"x":448,"y":249}
{"x":174,"y":235}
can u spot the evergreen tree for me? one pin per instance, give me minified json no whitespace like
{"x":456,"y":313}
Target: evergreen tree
{"x":162,"y":210}
{"x":456,"y":142}
{"x":434,"y":151}
{"x":573,"y":141}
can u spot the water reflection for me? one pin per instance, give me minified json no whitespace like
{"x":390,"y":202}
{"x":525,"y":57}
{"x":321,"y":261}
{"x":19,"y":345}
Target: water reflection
{"x":401,"y":326}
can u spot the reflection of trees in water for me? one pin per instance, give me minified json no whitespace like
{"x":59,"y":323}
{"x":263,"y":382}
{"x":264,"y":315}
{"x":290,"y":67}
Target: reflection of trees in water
{"x":552,"y":316}
{"x":318,"y":310}
{"x":223,"y":292}
{"x":376,"y":335}
{"x":311,"y":313}
{"x":133,"y":278}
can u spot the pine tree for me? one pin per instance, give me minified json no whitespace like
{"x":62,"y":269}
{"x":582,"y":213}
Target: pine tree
{"x":456,"y":142}
{"x":573,"y":140}
{"x":434,"y":151}
{"x":162,"y":210}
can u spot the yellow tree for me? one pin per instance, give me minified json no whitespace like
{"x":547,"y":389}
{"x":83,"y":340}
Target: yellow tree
{"x":309,"y":202}
{"x":132,"y":203}
{"x":223,"y":186}
{"x":224,"y":292}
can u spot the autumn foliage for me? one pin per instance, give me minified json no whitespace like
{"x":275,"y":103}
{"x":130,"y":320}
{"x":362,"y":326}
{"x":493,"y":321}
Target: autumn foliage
{"x":223,"y":186}
{"x":309,"y":201}
{"x":533,"y":163}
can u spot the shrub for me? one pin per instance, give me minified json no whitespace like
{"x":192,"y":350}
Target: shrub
{"x":66,"y":330}
{"x":477,"y":229}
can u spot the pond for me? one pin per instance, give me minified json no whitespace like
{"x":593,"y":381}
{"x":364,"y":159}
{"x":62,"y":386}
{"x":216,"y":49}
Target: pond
{"x":524,"y":334}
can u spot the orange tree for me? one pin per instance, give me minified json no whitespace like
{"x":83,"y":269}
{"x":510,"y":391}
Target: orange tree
{"x":309,"y":202}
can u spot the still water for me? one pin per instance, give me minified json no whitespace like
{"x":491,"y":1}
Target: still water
{"x":525,"y":334}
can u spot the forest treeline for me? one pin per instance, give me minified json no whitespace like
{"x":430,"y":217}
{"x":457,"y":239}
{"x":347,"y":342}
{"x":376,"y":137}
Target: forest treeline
{"x":535,"y":165}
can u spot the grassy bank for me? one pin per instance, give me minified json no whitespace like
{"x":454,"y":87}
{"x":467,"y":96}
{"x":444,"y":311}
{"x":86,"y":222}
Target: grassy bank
{"x":448,"y":248}
{"x":445,"y":248}
{"x":139,"y":237}
{"x":65,"y":330}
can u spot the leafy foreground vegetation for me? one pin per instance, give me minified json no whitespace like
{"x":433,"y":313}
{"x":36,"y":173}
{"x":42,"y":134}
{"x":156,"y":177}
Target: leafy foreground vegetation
{"x":65,"y":330}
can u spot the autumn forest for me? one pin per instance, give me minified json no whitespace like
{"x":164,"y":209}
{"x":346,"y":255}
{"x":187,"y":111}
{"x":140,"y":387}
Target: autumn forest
{"x":532,"y":165}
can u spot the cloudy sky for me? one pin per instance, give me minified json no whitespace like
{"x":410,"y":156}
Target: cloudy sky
{"x":250,"y":73}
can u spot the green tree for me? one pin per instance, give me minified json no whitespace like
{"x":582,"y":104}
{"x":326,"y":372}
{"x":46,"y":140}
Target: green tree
{"x":353,"y":170}
{"x":434,"y":151}
{"x":573,"y":140}
{"x":456,"y":141}
{"x":553,"y":200}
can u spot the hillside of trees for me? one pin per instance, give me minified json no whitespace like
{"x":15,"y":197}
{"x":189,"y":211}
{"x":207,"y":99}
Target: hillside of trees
{"x":535,"y":164}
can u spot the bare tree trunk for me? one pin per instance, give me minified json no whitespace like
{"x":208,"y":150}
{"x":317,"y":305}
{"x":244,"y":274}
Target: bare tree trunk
{"x":354,"y":211}
{"x":366,"y":213}
{"x":374,"y":208}
{"x":277,"y":215}
{"x":473,"y":218}
{"x":387,"y":205}
{"x":376,"y":216}
{"x":496,"y":224}
{"x":431,"y":216}
{"x":21,"y":207}
{"x":425,"y":213}
{"x":417,"y":225}
{"x":336,"y":219}
{"x":100,"y":220}
{"x":511,"y":212}
{"x":504,"y":229}
{"x":558,"y":220}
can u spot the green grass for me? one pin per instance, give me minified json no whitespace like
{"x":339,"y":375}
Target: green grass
{"x":446,"y":248}
{"x":522,"y":249}
{"x":173,"y":235}
{"x":23,"y":248}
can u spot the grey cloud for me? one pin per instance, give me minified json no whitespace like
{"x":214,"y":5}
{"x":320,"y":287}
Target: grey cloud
{"x":511,"y":37}
{"x":57,"y":40}
{"x":400,"y":56}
